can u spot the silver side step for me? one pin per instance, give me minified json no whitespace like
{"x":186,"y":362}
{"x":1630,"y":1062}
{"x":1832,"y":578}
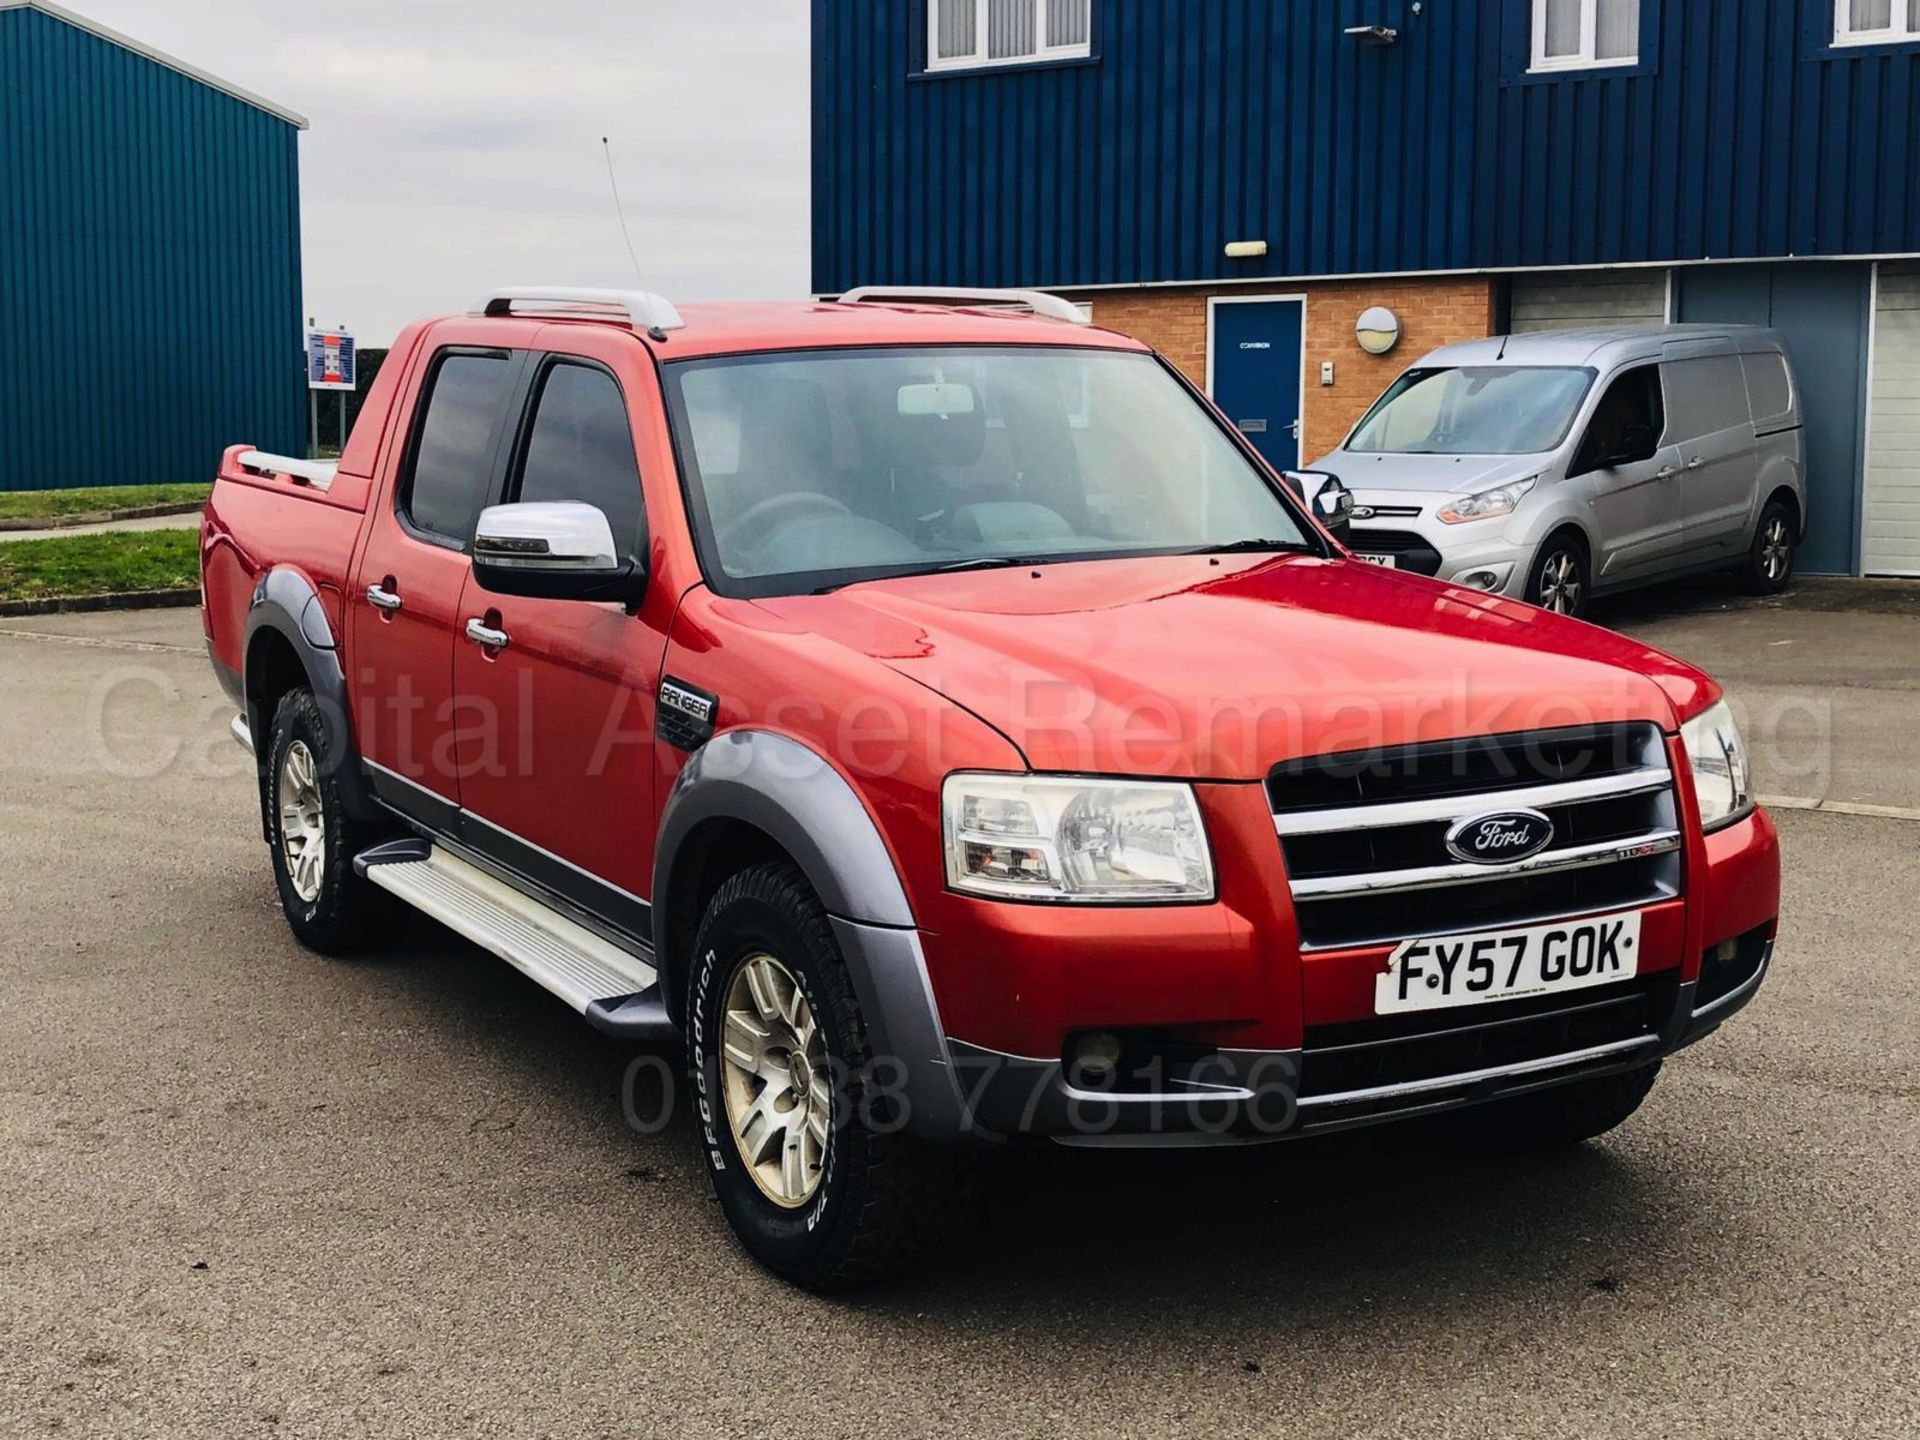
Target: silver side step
{"x":551,"y":950}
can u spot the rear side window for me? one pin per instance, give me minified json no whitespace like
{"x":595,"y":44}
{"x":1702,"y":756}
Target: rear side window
{"x":580,"y":447}
{"x":1768,"y":387}
{"x":454,"y":445}
{"x":1705,"y":397}
{"x":1632,"y":407}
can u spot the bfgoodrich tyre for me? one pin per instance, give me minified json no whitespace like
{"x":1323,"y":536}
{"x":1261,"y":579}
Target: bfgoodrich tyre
{"x":802,"y":1137}
{"x":312,"y":837}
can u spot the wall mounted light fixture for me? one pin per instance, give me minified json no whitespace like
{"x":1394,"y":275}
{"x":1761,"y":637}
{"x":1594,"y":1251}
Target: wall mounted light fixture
{"x":1377,"y":330}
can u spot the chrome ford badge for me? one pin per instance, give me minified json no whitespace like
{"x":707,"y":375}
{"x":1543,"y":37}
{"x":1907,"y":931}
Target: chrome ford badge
{"x":1500,"y":838}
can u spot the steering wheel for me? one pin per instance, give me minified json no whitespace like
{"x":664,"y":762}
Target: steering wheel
{"x":756,"y":525}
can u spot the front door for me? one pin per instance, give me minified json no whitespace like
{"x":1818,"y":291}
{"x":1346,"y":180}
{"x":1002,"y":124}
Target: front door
{"x":1635,"y":504}
{"x":1255,"y":366}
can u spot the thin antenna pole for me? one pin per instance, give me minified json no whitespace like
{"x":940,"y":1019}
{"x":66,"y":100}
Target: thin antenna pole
{"x":621,"y":211}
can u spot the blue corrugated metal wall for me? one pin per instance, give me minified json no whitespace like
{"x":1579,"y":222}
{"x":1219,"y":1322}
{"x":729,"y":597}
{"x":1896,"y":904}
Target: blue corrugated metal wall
{"x":149,"y":266}
{"x":1741,"y":133}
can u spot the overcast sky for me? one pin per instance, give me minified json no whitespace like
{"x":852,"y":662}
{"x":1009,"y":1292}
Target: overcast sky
{"x":457,"y":146}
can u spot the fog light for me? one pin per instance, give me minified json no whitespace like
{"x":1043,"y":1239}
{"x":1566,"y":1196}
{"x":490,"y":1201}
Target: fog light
{"x":1485,"y":577}
{"x":1096,"y":1055}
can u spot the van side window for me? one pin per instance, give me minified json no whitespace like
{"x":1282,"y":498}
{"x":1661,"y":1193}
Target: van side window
{"x":452,"y":449}
{"x":1768,"y":388}
{"x":580,"y":447}
{"x":1632,"y":412}
{"x":1706,"y":396}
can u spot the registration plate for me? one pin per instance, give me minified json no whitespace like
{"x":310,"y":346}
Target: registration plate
{"x":1451,"y":970}
{"x":1390,"y":562}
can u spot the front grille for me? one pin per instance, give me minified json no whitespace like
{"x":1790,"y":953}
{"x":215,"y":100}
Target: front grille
{"x":1364,"y":833}
{"x":1366,"y":1055}
{"x":1409,"y":550}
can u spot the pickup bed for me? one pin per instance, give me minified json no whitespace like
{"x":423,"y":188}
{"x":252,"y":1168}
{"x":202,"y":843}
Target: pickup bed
{"x":929,"y":712}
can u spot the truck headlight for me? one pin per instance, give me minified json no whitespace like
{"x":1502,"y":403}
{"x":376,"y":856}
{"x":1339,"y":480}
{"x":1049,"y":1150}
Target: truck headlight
{"x":1488,"y":504}
{"x":1719,"y":759}
{"x":1064,"y":838}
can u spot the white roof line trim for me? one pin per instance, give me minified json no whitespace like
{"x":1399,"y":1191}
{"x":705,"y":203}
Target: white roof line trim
{"x":159,"y":57}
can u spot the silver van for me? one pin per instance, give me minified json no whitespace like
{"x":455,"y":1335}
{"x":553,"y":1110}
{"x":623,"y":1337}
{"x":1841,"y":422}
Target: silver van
{"x":1553,"y":467}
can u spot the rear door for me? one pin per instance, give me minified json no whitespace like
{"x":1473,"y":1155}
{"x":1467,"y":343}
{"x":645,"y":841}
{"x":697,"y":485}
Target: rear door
{"x":415,"y":563}
{"x":1709,"y":419}
{"x":1635,"y":506}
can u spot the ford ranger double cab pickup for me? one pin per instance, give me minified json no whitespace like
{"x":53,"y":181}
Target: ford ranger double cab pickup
{"x":931,"y":713}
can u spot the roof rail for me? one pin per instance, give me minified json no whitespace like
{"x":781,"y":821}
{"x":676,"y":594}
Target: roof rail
{"x":1038,"y":301}
{"x":645,"y":309}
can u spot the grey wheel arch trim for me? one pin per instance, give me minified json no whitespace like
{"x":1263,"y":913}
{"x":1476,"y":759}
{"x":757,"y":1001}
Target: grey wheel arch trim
{"x":286,"y":603}
{"x":806,"y":807}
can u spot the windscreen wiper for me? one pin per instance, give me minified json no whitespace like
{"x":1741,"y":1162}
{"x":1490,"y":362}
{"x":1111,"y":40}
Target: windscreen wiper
{"x":978,"y":562}
{"x":1255,"y":547}
{"x":986,"y":562}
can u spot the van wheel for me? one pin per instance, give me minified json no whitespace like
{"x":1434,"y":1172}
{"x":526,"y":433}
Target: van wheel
{"x":1768,"y":568}
{"x":803,"y":1142}
{"x":313,"y":839}
{"x":1559,"y":580}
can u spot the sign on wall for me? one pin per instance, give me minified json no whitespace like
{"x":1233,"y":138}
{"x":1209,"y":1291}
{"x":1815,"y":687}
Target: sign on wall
{"x":330,"y":360}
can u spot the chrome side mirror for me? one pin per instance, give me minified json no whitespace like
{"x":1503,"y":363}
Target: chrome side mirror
{"x":1331,"y":502}
{"x":553,"y":550}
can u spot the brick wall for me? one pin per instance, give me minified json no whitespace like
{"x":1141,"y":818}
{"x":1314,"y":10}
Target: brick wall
{"x":1432,"y":313}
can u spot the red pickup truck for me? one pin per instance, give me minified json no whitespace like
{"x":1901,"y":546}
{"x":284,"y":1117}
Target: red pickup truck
{"x":930,"y":711}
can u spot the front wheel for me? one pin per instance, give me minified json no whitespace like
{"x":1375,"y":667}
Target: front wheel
{"x":801,"y":1127}
{"x":1559,"y":581}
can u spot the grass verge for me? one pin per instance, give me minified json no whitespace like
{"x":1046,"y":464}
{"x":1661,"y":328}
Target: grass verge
{"x":99,"y":564}
{"x":50,"y":504}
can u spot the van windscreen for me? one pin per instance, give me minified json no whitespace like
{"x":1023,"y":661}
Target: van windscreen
{"x":1474,"y":410}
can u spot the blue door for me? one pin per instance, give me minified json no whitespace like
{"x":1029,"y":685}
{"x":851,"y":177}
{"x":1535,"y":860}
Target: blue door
{"x":1256,"y":373}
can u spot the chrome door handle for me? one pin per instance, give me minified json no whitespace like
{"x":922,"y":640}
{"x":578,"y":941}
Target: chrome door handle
{"x":382,"y":599}
{"x":1667,"y":472}
{"x":1695,"y":463}
{"x":484,"y":634}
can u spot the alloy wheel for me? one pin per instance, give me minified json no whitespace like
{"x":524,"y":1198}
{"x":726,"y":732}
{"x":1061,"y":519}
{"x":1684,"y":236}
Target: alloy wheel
{"x":1560,"y":584}
{"x":775,"y":1081}
{"x":303,"y":821}
{"x":1776,"y":550}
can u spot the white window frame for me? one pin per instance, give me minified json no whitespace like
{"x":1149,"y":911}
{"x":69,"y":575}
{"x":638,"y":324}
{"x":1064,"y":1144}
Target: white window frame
{"x":1042,"y":52}
{"x":1589,"y":42}
{"x":1900,"y":29}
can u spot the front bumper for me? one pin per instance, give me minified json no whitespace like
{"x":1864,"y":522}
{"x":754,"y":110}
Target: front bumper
{"x":1262,"y":1040}
{"x":1231,"y":1097}
{"x":1483,"y":555}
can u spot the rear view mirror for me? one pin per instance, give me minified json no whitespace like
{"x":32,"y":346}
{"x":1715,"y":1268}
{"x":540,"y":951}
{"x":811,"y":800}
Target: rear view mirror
{"x":553,"y":550}
{"x":936,"y":398}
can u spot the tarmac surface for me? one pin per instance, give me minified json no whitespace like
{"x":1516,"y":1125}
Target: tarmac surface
{"x":248,"y":1191}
